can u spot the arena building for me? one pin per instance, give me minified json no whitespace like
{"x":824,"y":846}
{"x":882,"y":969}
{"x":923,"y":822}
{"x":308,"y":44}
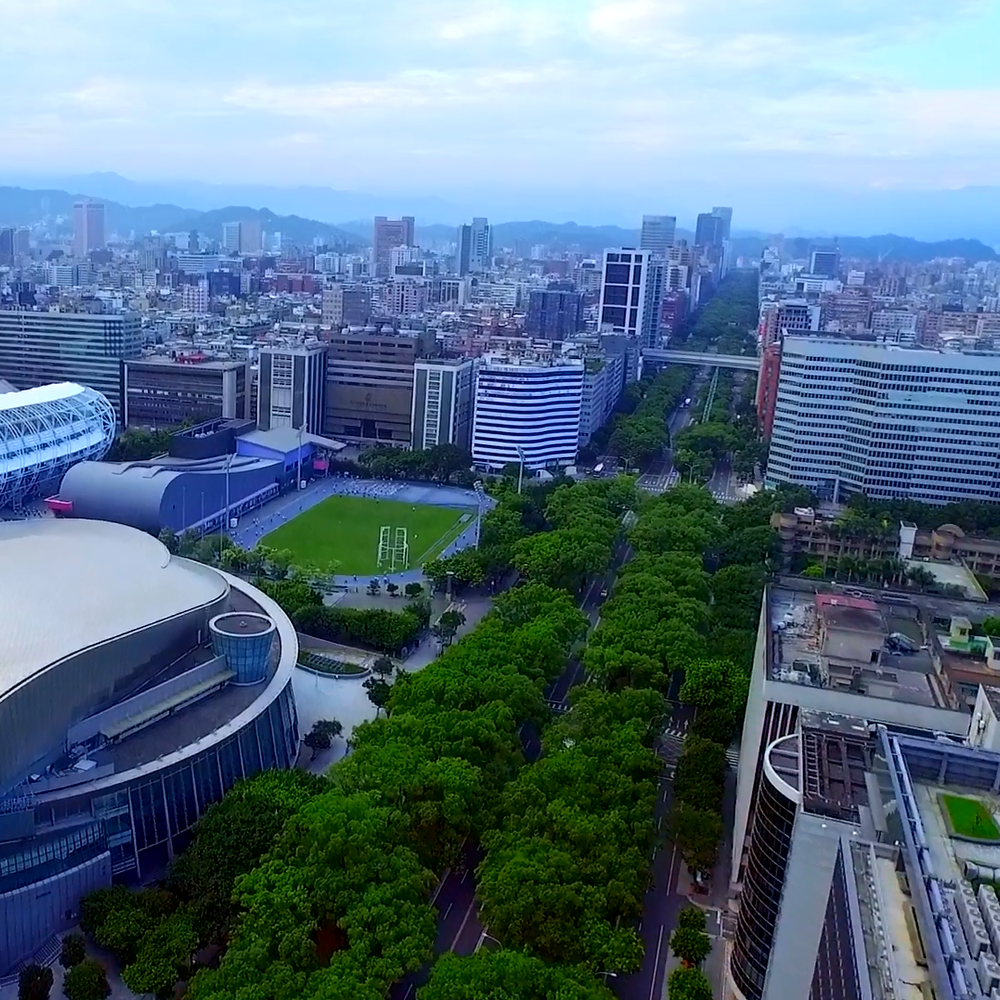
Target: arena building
{"x":136,"y":688}
{"x":46,"y":430}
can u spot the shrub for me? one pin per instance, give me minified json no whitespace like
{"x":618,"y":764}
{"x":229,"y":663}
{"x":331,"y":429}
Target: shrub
{"x":73,"y":951}
{"x":87,"y":981}
{"x":34,"y":983}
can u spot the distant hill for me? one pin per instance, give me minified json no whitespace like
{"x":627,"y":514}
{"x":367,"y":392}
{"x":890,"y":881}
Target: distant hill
{"x":22,"y":206}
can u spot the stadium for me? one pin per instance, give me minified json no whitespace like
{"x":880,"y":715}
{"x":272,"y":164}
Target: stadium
{"x":135,"y":689}
{"x":44,"y":431}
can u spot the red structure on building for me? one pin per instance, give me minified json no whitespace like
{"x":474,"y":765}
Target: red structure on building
{"x":767,"y":387}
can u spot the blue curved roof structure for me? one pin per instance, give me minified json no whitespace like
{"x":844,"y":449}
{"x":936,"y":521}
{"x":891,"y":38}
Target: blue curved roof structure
{"x":46,"y":430}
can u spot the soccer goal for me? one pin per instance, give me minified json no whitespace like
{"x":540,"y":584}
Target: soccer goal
{"x":393,"y":549}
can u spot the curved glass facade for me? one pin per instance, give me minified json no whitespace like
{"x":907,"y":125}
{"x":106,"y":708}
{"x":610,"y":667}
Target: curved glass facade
{"x":763,"y":880}
{"x":245,"y":640}
{"x":46,"y":430}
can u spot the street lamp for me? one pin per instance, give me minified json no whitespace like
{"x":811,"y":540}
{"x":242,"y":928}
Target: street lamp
{"x":520,"y":471}
{"x":480,"y":500}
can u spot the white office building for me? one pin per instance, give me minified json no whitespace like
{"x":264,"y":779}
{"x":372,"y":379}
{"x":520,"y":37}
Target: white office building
{"x":886,"y":421}
{"x":623,"y":292}
{"x":527,"y":406}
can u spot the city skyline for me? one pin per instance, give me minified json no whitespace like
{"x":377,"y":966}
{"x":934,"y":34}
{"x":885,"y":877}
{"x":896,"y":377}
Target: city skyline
{"x":874,"y":102}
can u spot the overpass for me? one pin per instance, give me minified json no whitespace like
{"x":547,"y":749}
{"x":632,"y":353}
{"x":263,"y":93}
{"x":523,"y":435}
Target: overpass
{"x":660,"y":356}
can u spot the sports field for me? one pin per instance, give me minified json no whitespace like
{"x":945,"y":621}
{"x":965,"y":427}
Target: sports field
{"x":345,"y":530}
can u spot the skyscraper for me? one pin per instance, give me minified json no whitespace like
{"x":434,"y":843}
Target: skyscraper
{"x":623,"y":292}
{"x":658,"y":232}
{"x":709,"y":230}
{"x":554,"y":314}
{"x":250,"y":237}
{"x":291,"y":387}
{"x":6,"y":246}
{"x":825,"y":262}
{"x":475,"y":247}
{"x":88,"y":227}
{"x":231,"y":236}
{"x":726,"y":214}
{"x":388,"y":234}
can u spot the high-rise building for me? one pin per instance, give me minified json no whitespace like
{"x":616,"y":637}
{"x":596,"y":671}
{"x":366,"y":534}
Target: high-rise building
{"x":389,"y":233}
{"x":658,"y":233}
{"x":475,"y":247}
{"x":88,"y":227}
{"x":890,"y":422}
{"x":231,"y":236}
{"x":443,"y":402}
{"x":346,"y":305}
{"x":291,"y":387}
{"x":623,"y":292}
{"x":38,"y":348}
{"x":708,"y":232}
{"x":527,"y":407}
{"x":369,"y":385}
{"x":825,"y":262}
{"x":167,"y":392}
{"x":6,"y":247}
{"x":652,"y":313}
{"x":250,"y":237}
{"x":726,"y":215}
{"x":554,"y":315}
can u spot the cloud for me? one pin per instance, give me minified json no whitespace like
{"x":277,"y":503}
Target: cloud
{"x":495,"y":92}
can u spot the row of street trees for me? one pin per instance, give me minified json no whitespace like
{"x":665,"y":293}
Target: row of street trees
{"x":726,"y":320}
{"x":444,"y":463}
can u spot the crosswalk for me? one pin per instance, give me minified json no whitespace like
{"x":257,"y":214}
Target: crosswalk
{"x":674,"y":736}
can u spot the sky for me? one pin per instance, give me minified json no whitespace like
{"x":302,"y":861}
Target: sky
{"x":604,"y":108}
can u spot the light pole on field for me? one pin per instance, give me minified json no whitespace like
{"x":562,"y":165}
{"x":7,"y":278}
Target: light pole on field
{"x":520,"y":471}
{"x":480,"y":500}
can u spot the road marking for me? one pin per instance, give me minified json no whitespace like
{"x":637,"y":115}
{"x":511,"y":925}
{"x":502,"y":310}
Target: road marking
{"x":409,"y":991}
{"x":440,"y":885}
{"x":656,"y":962}
{"x":444,"y":916}
{"x":468,"y":913}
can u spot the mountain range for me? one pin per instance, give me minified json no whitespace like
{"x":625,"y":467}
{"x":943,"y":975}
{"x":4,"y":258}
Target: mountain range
{"x":24,"y":206}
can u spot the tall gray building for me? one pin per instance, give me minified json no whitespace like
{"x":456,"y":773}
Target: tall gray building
{"x":291,"y":387}
{"x":886,"y":421}
{"x":443,"y":397}
{"x":475,"y":247}
{"x":726,"y":214}
{"x":37,"y":348}
{"x":166,"y":392}
{"x":658,"y":233}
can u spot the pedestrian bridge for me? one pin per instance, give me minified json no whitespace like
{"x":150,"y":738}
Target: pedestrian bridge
{"x":661,"y":356}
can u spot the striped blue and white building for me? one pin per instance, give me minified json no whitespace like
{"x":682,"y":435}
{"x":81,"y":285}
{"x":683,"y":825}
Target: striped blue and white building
{"x":527,"y":406}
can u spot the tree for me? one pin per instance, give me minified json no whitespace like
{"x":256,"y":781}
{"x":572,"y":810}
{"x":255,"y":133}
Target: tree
{"x":73,"y":951}
{"x":814,"y":572}
{"x":692,"y":918}
{"x":87,"y":981}
{"x":716,"y":683}
{"x":374,"y":587}
{"x":447,"y":625}
{"x":34,"y":983}
{"x":392,"y":589}
{"x":413,"y":590}
{"x":322,"y":735}
{"x":169,"y":538}
{"x":691,"y":946}
{"x":697,"y":835}
{"x":378,"y":693}
{"x":688,"y":984}
{"x":383,"y":667}
{"x":164,"y":956}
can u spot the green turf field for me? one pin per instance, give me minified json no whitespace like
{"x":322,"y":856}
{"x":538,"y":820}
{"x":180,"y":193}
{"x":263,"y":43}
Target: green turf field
{"x":969,"y":818}
{"x":345,"y":530}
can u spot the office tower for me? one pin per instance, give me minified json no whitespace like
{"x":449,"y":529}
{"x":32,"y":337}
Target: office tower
{"x":6,"y":247}
{"x":658,"y":232}
{"x":709,"y":230}
{"x":88,"y":227}
{"x":554,"y":315}
{"x":390,"y":233}
{"x":231,"y":236}
{"x":475,"y":247}
{"x":603,"y":382}
{"x":825,"y":262}
{"x":443,"y":391}
{"x":726,"y":215}
{"x":623,"y":292}
{"x":652,"y":313}
{"x":39,"y":348}
{"x":167,"y":392}
{"x":198,"y":263}
{"x":369,"y":385}
{"x":529,"y":407}
{"x":291,"y":387}
{"x":890,"y":422}
{"x":250,"y":237}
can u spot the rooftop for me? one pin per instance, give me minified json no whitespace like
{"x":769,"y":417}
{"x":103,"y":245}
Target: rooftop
{"x":12,"y":400}
{"x":66,"y":585}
